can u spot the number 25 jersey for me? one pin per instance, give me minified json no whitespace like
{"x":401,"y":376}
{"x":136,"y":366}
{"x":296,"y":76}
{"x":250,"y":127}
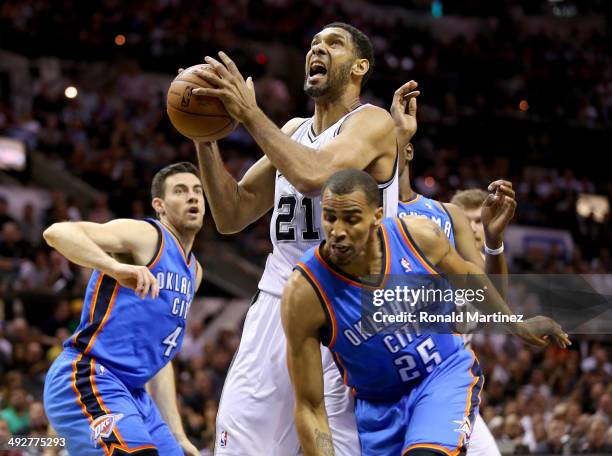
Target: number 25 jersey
{"x":134,"y":337}
{"x":378,"y":364}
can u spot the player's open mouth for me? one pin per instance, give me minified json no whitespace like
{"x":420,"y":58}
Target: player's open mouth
{"x":193,"y":210}
{"x":317,"y":71}
{"x":340,"y":250}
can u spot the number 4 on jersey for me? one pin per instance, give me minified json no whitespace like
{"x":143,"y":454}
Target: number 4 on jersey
{"x":170,"y":340}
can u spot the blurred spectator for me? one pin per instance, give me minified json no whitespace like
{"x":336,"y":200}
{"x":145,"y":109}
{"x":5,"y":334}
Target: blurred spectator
{"x":17,"y":414}
{"x":4,"y":215}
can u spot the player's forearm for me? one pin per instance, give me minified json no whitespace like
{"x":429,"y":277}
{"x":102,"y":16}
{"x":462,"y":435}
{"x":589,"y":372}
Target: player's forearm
{"x":73,"y":243}
{"x":496,"y":266}
{"x":163,"y":391}
{"x":313,"y":430}
{"x":299,"y":164}
{"x":221,"y":189}
{"x":493,"y":302}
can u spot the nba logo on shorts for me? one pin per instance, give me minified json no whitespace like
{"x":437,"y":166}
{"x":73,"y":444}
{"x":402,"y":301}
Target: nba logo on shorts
{"x":223,"y":439}
{"x":406,"y":265}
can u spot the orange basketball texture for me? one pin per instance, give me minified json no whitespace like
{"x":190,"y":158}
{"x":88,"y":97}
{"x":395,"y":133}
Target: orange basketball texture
{"x":201,"y":118}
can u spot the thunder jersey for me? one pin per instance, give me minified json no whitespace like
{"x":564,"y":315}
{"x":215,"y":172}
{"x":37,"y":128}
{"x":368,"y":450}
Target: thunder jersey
{"x":378,"y":365}
{"x":134,"y":337}
{"x":421,"y":206}
{"x":296,"y":219}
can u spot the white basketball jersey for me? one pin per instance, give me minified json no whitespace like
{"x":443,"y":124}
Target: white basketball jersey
{"x":296,"y":220}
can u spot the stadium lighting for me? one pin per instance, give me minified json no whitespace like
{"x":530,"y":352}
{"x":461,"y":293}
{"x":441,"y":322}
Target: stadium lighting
{"x":120,"y":40}
{"x":71,"y":92}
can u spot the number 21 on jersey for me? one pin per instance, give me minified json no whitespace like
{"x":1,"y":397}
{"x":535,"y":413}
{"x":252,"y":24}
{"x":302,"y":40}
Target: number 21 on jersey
{"x":286,"y":223}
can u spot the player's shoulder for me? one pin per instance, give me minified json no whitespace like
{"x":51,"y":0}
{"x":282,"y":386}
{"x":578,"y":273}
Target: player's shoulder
{"x":300,"y":303}
{"x":452,"y":209}
{"x":428,"y":236}
{"x":377,"y":119}
{"x":293,"y":124}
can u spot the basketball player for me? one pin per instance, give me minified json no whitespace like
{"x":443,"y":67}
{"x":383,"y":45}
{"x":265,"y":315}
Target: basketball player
{"x":463,"y":236}
{"x":132,"y":325}
{"x":470,"y":202}
{"x":256,"y":408}
{"x":416,"y":395}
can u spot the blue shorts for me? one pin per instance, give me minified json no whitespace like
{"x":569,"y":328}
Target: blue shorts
{"x":438,"y":414}
{"x":98,"y":415}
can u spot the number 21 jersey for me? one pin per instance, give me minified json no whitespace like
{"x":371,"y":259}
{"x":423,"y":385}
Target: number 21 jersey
{"x":296,"y":219}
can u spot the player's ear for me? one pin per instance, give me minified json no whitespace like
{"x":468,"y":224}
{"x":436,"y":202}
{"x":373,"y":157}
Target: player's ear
{"x":158,"y":206}
{"x":361,"y":67}
{"x":409,"y":152}
{"x":378,"y":216}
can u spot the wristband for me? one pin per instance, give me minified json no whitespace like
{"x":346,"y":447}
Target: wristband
{"x":497,"y":251}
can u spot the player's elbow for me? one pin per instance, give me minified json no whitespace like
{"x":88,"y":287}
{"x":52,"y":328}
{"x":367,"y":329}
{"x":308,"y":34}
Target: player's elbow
{"x":53,"y":233}
{"x":309,"y":186}
{"x":229,"y":226}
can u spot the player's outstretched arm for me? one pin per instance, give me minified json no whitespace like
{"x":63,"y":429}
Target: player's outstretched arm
{"x":464,"y":237}
{"x":90,"y":245}
{"x":163,"y":391}
{"x":302,"y":318}
{"x":235,"y":205}
{"x":436,"y":247}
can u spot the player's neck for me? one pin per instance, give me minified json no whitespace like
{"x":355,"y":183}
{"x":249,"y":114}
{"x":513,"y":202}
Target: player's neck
{"x":185,"y":238}
{"x":328,"y":112}
{"x":405,"y":188}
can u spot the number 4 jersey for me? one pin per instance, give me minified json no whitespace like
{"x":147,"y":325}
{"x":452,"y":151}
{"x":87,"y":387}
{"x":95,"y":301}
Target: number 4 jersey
{"x":296,"y":220}
{"x":382,"y":364}
{"x":134,"y":337}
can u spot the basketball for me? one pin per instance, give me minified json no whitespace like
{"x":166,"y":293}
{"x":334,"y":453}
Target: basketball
{"x":200,"y":118}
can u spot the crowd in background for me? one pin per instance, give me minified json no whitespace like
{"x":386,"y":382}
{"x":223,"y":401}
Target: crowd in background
{"x":473,"y":128}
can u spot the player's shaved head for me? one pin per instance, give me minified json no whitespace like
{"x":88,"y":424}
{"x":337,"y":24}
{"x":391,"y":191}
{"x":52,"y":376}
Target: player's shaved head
{"x":352,"y":180}
{"x":158,"y":186}
{"x":361,"y":43}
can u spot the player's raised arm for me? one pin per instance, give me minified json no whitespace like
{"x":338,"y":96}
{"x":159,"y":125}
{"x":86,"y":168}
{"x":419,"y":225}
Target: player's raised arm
{"x":303,"y":317}
{"x":235,"y":205}
{"x":464,"y":237}
{"x":436,"y":247}
{"x":365,"y":137}
{"x":90,"y":245}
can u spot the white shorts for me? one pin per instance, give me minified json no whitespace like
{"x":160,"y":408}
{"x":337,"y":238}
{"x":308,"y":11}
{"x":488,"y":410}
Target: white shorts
{"x":482,"y":442}
{"x":256,"y":410}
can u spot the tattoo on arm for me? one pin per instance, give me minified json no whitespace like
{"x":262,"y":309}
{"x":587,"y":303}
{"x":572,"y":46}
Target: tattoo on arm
{"x":324,"y":443}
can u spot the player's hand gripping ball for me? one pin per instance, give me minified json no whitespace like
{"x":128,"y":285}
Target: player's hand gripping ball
{"x":199,"y":118}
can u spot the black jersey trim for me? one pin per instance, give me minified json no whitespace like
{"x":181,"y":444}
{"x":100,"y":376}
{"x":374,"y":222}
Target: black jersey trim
{"x":417,"y":248}
{"x":83,"y":371}
{"x":159,"y":246}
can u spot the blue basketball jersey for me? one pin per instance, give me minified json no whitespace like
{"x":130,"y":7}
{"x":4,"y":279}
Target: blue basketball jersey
{"x":380,"y":365}
{"x":421,"y":206}
{"x":134,"y":337}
